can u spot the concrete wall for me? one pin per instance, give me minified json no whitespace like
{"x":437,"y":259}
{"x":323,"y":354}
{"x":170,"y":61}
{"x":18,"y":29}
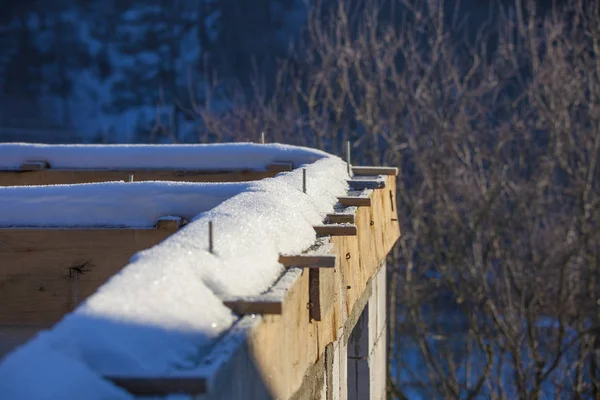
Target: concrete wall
{"x":353,"y":367}
{"x":367,"y":346}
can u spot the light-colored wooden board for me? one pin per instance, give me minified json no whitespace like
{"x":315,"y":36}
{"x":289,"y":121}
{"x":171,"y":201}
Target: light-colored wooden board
{"x":65,"y":176}
{"x":360,"y":170}
{"x":285,"y":346}
{"x":336,"y":230}
{"x":39,"y":281}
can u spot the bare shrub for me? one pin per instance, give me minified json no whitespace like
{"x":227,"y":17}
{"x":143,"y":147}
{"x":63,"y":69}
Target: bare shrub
{"x":494,"y":284}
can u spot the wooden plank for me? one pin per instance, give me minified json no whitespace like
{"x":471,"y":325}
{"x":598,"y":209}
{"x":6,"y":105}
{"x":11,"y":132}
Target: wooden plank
{"x":34,"y":165}
{"x":14,"y":336}
{"x":277,"y":167}
{"x":339,"y":218}
{"x":270,"y":302}
{"x":355,"y":201}
{"x":227,"y":359}
{"x":37,"y":279}
{"x":308,"y":261}
{"x":73,"y":176}
{"x":367,"y":182}
{"x":314,"y":296}
{"x":375,"y":171}
{"x":256,"y":305}
{"x":336,"y":230}
{"x":160,"y":386}
{"x":170,"y":223}
{"x":292,"y":336}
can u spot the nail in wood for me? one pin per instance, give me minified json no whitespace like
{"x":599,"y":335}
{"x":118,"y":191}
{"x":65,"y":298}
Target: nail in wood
{"x":304,"y":180}
{"x":210,"y":237}
{"x":348,"y":158}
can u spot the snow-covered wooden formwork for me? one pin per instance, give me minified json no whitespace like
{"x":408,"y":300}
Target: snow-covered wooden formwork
{"x":38,"y":164}
{"x":243,"y":312}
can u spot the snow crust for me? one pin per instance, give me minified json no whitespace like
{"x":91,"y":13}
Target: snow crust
{"x":226,"y":156}
{"x":111,"y":204}
{"x":164,"y":310}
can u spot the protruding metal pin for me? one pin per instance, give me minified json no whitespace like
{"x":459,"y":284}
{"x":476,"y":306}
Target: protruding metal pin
{"x":304,"y":180}
{"x":348,"y":164}
{"x":210,"y":238}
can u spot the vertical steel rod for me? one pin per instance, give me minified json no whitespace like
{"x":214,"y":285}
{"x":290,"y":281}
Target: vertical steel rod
{"x":210,"y":237}
{"x":304,"y":180}
{"x":348,"y":158}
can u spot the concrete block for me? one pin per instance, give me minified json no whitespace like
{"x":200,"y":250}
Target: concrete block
{"x":343,"y":370}
{"x":373,"y":313}
{"x":377,"y":369}
{"x":323,"y":393}
{"x":358,"y":341}
{"x":382,"y":298}
{"x":359,"y":379}
{"x":335,"y":371}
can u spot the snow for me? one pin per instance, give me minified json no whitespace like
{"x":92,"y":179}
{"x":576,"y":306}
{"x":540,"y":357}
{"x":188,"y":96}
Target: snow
{"x":109,"y":204}
{"x":226,"y":156}
{"x":164,"y":310}
{"x":25,"y":376}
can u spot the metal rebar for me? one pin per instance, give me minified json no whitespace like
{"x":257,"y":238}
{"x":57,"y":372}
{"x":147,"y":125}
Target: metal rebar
{"x":348,"y":158}
{"x":304,"y":180}
{"x":210,"y":237}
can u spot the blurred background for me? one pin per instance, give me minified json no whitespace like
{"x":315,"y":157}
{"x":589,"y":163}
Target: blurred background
{"x":490,"y":110}
{"x":103,"y":70}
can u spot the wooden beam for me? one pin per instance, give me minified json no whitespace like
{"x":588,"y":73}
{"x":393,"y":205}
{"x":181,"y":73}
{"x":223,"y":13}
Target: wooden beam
{"x":38,"y":266}
{"x":160,"y":386}
{"x":170,"y":223}
{"x":336,"y":230}
{"x":314,"y":295}
{"x":371,"y":183}
{"x":34,"y":165}
{"x":255,"y":305}
{"x":355,"y":201}
{"x":270,"y":302}
{"x":284,"y":166}
{"x":340,"y":218}
{"x":308,"y":261}
{"x":73,"y":176}
{"x":375,"y":171}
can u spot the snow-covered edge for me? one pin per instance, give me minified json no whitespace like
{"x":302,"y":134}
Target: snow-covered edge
{"x":169,"y":298}
{"x":207,"y":157}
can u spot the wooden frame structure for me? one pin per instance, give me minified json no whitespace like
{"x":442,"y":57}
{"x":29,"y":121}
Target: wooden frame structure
{"x":42,"y":173}
{"x":300,"y":315}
